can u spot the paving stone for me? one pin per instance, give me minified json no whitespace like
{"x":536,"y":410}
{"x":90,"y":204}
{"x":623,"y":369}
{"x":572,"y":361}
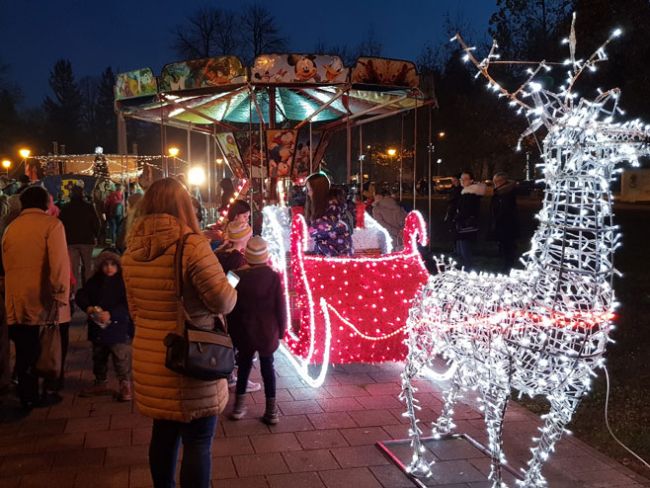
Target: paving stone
{"x":298,"y":407}
{"x":347,"y":391}
{"x":10,"y":481}
{"x":353,"y":378}
{"x":140,"y":476}
{"x":259,"y":464}
{"x":122,"y":456}
{"x":378,"y":402}
{"x":460,"y":471}
{"x":25,"y":464}
{"x":108,"y":438}
{"x":321,"y":439}
{"x":295,"y":480}
{"x":344,"y":404}
{"x":309,"y":393}
{"x":346,"y":478}
{"x":234,"y":428}
{"x":74,"y":458}
{"x":42,"y":428}
{"x":358,"y":456}
{"x":448,"y":449}
{"x":364,"y":435}
{"x":51,"y":480}
{"x":275,"y":442}
{"x":332,"y":420}
{"x":223,"y":468}
{"x":129,"y":421}
{"x":281,"y":395}
{"x":231,"y":446}
{"x":393,"y":389}
{"x":90,"y":424}
{"x":390,"y":476}
{"x":103,"y":478}
{"x":140,"y":435}
{"x":292,"y":423}
{"x":252,"y":482}
{"x":369,"y":418}
{"x":315,"y":460}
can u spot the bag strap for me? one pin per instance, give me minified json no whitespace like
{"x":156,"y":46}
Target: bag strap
{"x":178,"y":283}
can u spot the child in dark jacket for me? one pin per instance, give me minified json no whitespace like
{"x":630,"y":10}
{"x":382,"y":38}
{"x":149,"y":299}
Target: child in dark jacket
{"x":110,"y":328}
{"x":257,"y":324}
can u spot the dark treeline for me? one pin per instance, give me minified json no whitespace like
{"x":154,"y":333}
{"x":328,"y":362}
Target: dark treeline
{"x":481,"y":131}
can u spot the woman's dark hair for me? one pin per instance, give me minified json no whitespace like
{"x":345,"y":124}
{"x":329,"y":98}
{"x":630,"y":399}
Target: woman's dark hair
{"x":467,"y":172}
{"x":227,"y":191}
{"x":338,"y":193}
{"x":238,"y":207}
{"x":35,"y":197}
{"x":316,"y":204}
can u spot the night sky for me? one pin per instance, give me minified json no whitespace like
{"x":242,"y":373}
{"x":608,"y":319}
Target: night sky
{"x":137,"y":33}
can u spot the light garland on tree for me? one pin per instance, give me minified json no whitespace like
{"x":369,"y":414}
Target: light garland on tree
{"x":542,"y":330}
{"x":348,"y":309}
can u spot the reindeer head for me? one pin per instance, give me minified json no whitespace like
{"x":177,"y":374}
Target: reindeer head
{"x":582,"y":135}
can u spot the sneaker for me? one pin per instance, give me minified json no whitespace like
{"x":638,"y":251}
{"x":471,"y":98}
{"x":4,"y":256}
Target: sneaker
{"x":125,"y":395}
{"x":250,"y":387}
{"x":99,"y":388}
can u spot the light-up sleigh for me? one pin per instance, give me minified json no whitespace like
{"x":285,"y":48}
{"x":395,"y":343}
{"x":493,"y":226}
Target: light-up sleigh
{"x":345,"y":309}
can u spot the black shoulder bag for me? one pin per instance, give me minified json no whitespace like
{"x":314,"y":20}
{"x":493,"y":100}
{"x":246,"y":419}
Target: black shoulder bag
{"x":191,"y":351}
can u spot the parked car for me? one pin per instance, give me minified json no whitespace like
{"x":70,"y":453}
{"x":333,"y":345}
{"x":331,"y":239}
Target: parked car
{"x":443,"y":185}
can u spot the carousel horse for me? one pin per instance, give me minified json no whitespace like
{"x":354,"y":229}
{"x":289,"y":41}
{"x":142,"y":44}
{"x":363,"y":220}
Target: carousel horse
{"x":541,"y":330}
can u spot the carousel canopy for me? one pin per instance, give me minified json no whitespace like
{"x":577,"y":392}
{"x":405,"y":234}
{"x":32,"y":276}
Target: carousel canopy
{"x":291,"y":89}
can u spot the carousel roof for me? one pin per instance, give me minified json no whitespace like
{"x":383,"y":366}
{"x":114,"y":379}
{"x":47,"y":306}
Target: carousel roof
{"x":295,"y":89}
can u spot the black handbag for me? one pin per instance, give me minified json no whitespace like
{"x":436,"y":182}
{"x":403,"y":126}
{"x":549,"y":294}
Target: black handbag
{"x":203,"y":354}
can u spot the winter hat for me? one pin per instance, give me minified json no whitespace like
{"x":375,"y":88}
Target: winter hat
{"x":238,"y":231}
{"x":256,"y":251}
{"x":108,"y":254}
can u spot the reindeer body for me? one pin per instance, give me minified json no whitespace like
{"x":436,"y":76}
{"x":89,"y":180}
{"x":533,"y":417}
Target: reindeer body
{"x":541,"y":330}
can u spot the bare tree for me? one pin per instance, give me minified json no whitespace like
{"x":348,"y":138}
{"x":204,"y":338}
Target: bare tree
{"x":260,"y":32}
{"x":207,"y":32}
{"x":370,"y":46}
{"x":339,"y":50}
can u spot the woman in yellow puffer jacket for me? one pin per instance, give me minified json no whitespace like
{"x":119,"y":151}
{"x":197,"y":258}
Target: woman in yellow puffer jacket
{"x":181,"y":407}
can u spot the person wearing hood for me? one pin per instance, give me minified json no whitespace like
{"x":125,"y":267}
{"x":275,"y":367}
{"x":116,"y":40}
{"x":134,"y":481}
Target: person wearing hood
{"x":388,"y":213}
{"x":504,"y":222}
{"x":466,"y":222}
{"x":182,"y":408}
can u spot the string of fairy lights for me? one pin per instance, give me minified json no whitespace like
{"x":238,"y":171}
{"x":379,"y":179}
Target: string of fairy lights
{"x":542,"y":330}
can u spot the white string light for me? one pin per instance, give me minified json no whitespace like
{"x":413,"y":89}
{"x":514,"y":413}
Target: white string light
{"x":542,"y":330}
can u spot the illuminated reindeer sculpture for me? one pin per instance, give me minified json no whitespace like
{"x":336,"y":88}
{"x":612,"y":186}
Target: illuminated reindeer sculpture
{"x":542,"y":330}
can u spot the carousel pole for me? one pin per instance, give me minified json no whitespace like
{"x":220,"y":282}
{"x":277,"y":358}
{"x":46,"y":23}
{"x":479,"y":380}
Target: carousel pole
{"x":189,"y":143}
{"x":163,"y":142}
{"x":415,"y":153}
{"x":361,"y":160}
{"x":401,"y":158}
{"x":208,"y":174}
{"x":430,"y":147}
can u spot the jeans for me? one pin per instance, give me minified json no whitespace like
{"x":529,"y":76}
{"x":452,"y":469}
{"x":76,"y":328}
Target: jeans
{"x":244,"y":365}
{"x":197,"y":446}
{"x":113,"y":229}
{"x":464,"y":251}
{"x":121,"y":355}
{"x":81,"y":255}
{"x":28,"y":347}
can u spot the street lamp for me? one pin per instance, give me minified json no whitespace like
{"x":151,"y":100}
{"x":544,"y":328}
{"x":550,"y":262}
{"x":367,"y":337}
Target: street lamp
{"x":196,"y":176}
{"x":173,"y":152}
{"x":6,"y":164}
{"x":24,"y":153}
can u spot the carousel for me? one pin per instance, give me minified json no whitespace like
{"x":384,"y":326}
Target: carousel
{"x":267,"y":127}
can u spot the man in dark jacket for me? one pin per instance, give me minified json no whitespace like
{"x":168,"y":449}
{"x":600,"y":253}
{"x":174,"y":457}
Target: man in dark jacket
{"x":81,"y":225}
{"x":504,"y":221}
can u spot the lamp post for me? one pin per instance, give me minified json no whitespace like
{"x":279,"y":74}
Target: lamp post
{"x":173,"y":152}
{"x":391,"y":152}
{"x":24,"y":153}
{"x":6,"y":164}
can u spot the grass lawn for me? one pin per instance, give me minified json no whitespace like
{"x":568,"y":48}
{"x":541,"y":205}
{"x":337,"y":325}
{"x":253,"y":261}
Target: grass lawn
{"x":628,"y":360}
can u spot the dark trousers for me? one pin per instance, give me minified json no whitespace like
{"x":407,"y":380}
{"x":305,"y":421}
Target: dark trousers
{"x":28,"y":347}
{"x":464,"y":251}
{"x":508,"y":253}
{"x":197,"y":445}
{"x":244,"y":365}
{"x":5,"y":367}
{"x":121,"y":356}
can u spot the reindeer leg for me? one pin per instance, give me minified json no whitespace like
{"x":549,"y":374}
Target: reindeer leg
{"x":495,"y":400}
{"x":562,"y":407}
{"x":418,"y":466}
{"x":445,"y":422}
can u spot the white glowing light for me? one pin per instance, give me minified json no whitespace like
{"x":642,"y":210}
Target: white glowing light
{"x":542,"y":330}
{"x":196,"y":176}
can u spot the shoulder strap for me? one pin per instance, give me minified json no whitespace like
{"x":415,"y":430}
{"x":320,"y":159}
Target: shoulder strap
{"x":178,"y":283}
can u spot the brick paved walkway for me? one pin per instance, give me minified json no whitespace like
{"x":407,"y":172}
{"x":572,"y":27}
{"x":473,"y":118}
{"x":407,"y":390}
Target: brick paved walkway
{"x":326,"y":438}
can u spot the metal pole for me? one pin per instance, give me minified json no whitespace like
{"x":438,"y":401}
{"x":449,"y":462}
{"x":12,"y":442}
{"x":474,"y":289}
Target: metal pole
{"x":415,"y":153}
{"x":208,"y":174}
{"x":431,"y":148}
{"x":361,"y":160}
{"x":401,"y":160}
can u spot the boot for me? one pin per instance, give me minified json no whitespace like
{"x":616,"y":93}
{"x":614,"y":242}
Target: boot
{"x":271,"y":416}
{"x":124,"y":394}
{"x":99,"y":388}
{"x":239,"y":411}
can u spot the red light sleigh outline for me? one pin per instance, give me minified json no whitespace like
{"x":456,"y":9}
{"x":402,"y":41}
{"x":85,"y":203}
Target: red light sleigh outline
{"x":349,"y":309}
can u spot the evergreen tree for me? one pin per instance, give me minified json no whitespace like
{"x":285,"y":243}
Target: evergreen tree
{"x":106,"y":126}
{"x":63,"y":110}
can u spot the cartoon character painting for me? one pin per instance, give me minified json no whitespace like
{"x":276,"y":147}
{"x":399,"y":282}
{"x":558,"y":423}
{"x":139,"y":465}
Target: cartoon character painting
{"x":379,"y":71}
{"x":335,"y":71}
{"x":305,"y":68}
{"x":280,"y":145}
